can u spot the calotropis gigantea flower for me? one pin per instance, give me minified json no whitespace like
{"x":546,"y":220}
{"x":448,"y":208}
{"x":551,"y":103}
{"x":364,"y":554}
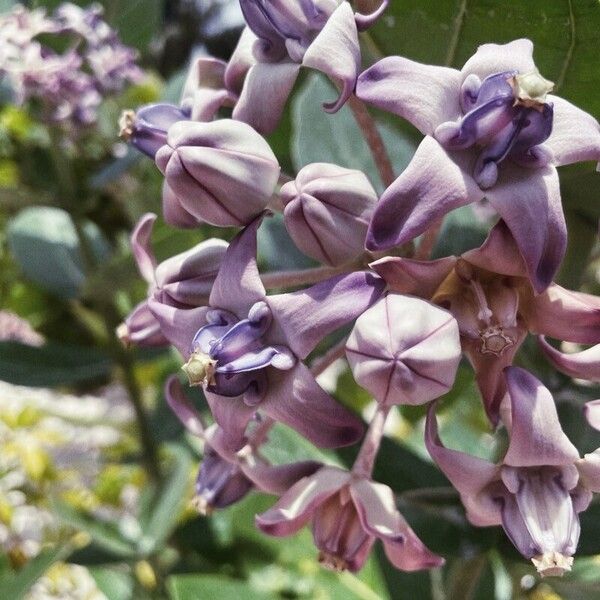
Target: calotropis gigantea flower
{"x":581,"y":365}
{"x":540,"y":486}
{"x":204,"y":93}
{"x":323,"y":201}
{"x":489,"y":293}
{"x":226,"y":476}
{"x":245,"y":348}
{"x":404,"y":350}
{"x":222,"y":172}
{"x":281,"y":37}
{"x":492,"y":130}
{"x":348,"y":512}
{"x":184,"y":280}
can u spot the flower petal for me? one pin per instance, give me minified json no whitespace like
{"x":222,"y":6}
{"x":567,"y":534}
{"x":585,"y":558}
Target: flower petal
{"x":575,"y":134}
{"x":582,"y":365}
{"x":277,"y":479}
{"x":416,"y":277}
{"x":305,"y":317}
{"x":142,"y":250}
{"x":266,"y":89}
{"x":468,"y":474}
{"x":564,"y":315}
{"x":376,"y":507}
{"x":424,"y":95}
{"x":536,"y":437}
{"x":241,"y":60}
{"x":498,"y":253}
{"x":589,"y":470}
{"x":182,"y":407}
{"x":178,"y":325}
{"x":524,"y":196}
{"x":592,"y":413}
{"x":295,"y":508}
{"x":297,"y":400}
{"x":140,"y":328}
{"x":232,"y":415}
{"x":173,"y":211}
{"x":238,"y":285}
{"x":432,"y":185}
{"x":336,"y":52}
{"x":495,"y":58}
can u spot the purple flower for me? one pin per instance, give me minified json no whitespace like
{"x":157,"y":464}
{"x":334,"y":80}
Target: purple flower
{"x":581,"y":365}
{"x":491,"y":131}
{"x":184,"y":281}
{"x":222,"y":172}
{"x":348,"y":513}
{"x":281,"y":37}
{"x":225,"y":477}
{"x":489,"y":293}
{"x":323,"y":201}
{"x":404,"y":350}
{"x":245,"y":348}
{"x":540,"y":486}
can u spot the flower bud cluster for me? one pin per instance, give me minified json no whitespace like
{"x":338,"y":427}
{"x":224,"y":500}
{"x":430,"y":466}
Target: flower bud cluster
{"x":492,"y":129}
{"x":69,"y":85}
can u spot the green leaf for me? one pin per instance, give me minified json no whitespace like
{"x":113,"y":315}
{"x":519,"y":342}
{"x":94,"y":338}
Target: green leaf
{"x":321,"y":137}
{"x":17,"y":586}
{"x":45,"y":244}
{"x":113,"y":583}
{"x":51,"y":364}
{"x":161,"y":519}
{"x":193,"y":587}
{"x":137,"y":21}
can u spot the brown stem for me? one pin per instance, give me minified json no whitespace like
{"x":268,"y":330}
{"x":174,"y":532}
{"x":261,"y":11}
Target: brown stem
{"x":428,"y":241}
{"x":322,"y":362}
{"x":374,"y":140}
{"x":288,"y":279}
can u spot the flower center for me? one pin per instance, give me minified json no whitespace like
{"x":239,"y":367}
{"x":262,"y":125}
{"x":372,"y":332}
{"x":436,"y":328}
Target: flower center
{"x":228,"y":354}
{"x":494,"y":340}
{"x":552,"y":564}
{"x":507,"y":115}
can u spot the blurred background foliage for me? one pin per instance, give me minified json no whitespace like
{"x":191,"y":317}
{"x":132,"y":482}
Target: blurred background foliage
{"x":95,"y":488}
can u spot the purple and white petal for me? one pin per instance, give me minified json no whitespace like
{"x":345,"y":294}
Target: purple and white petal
{"x":296,"y":507}
{"x":297,"y":400}
{"x":536,"y":437}
{"x":142,"y":249}
{"x":336,"y":52}
{"x":307,"y":316}
{"x":182,"y":407}
{"x":581,"y":365}
{"x":424,"y":95}
{"x":494,"y":58}
{"x":432,"y":185}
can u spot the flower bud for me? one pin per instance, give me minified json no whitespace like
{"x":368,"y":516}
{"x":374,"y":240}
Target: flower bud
{"x":404,"y":350}
{"x":222,"y":172}
{"x":323,"y":201}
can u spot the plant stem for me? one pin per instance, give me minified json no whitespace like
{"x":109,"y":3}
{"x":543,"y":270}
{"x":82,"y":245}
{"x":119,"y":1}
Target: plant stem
{"x":287,"y":279}
{"x":428,"y":241}
{"x":322,"y":362}
{"x":363,"y":465}
{"x":374,"y":140}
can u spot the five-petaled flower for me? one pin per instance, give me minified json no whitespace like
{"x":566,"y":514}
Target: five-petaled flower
{"x":492,"y":130}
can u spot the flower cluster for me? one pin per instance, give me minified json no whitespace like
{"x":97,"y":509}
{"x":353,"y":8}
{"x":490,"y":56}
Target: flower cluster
{"x":68,"y":85}
{"x":493,"y":131}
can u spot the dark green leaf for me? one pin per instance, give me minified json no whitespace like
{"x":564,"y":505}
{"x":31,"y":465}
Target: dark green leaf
{"x":51,"y":364}
{"x":114,"y":583}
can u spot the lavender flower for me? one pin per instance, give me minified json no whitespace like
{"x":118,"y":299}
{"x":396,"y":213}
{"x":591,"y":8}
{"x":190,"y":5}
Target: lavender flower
{"x":283,"y":36}
{"x":184,"y":280}
{"x":324,"y":200}
{"x":245,"y":347}
{"x":69,"y":86}
{"x":500,"y":103}
{"x":539,"y":488}
{"x":225,"y":476}
{"x":489,"y":293}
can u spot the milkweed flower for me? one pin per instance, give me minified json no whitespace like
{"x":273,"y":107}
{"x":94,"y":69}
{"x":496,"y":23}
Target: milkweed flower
{"x":246,"y":348}
{"x":283,"y":36}
{"x":492,"y":130}
{"x":184,"y":280}
{"x":539,"y":488}
{"x":489,"y":292}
